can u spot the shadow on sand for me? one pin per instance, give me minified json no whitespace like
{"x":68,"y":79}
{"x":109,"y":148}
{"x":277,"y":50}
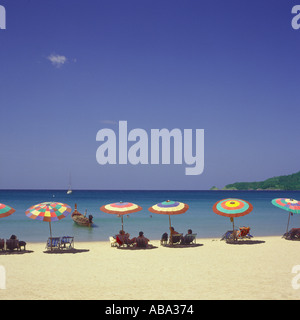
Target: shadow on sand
{"x":73,"y":251}
{"x":14,"y":252}
{"x":150,"y":247}
{"x":248,"y":242}
{"x":177,"y":246}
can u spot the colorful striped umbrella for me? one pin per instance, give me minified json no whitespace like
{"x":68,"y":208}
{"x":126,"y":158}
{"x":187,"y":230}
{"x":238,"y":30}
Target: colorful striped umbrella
{"x":232,"y":208}
{"x":5,"y":210}
{"x":48,"y":211}
{"x":121,"y":208}
{"x":169,"y":207}
{"x":290,"y":205}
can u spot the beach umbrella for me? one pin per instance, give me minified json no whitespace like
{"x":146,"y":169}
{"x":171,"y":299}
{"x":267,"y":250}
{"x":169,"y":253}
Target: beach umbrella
{"x":290,"y":205}
{"x":49,"y":212}
{"x":5,"y":210}
{"x":121,"y":208}
{"x":232,"y":208}
{"x":169,"y":208}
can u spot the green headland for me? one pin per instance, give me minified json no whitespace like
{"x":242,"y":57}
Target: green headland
{"x":288,"y":182}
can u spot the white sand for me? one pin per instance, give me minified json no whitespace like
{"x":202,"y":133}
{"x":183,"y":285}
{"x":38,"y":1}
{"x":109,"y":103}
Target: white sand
{"x":215,"y":270}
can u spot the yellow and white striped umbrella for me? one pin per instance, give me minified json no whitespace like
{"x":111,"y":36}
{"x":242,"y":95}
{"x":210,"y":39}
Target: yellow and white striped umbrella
{"x":170,"y":208}
{"x":121,"y":208}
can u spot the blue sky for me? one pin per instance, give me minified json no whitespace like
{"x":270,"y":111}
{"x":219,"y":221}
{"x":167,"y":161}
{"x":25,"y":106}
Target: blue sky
{"x":70,"y":68}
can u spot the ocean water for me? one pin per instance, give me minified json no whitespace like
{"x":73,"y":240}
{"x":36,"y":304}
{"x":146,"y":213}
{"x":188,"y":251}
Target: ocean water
{"x":264,"y":220}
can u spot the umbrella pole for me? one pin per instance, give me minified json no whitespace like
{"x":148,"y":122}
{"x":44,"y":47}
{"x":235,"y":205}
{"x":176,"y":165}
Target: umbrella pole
{"x":232,"y":220}
{"x":122,"y":223}
{"x":171,"y":238}
{"x":233,"y":233}
{"x":50,"y":234}
{"x":50,"y":229}
{"x":287,"y":227}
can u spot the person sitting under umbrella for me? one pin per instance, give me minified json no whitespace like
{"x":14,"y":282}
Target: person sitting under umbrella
{"x":188,"y":238}
{"x":175,"y":236}
{"x":141,"y":240}
{"x":123,"y":238}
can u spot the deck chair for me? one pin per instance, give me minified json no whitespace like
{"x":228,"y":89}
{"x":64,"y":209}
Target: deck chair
{"x":2,"y":244}
{"x":227,"y":235}
{"x":293,"y":234}
{"x":176,"y":238}
{"x":164,"y":239}
{"x":12,"y":244}
{"x":190,"y":238}
{"x":53,"y":243}
{"x":242,"y":233}
{"x":122,"y":242}
{"x":67,"y":242}
{"x":22,"y":244}
{"x":113,"y":242}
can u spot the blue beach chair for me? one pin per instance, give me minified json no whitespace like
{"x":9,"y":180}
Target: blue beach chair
{"x":239,"y":236}
{"x":67,"y":242}
{"x":53,"y":243}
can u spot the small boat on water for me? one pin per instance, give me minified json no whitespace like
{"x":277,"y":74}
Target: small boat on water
{"x":70,"y":187}
{"x":81,"y":219}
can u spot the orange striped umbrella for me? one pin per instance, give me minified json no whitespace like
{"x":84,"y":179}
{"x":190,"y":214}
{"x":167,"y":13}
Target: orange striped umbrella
{"x":121,"y":208}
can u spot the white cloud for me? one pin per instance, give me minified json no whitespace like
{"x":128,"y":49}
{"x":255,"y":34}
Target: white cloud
{"x":57,"y":60}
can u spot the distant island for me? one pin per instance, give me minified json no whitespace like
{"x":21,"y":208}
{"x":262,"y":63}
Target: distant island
{"x":288,"y":182}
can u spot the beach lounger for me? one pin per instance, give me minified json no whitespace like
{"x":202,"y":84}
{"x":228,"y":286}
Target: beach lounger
{"x":176,"y":238}
{"x":2,"y":244}
{"x":242,"y":233}
{"x":53,"y":243}
{"x":113,"y":242}
{"x":12,"y":244}
{"x":122,"y":242}
{"x":22,"y":244}
{"x":164,"y":239}
{"x":293,"y":234}
{"x":67,"y":242}
{"x":190,"y":238}
{"x":227,"y":235}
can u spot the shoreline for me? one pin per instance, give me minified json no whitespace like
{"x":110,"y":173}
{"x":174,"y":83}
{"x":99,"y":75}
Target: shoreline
{"x":153,"y":240}
{"x":200,"y":238}
{"x":213,"y":270}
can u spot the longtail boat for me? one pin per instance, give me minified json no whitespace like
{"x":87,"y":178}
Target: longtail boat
{"x":81,"y":219}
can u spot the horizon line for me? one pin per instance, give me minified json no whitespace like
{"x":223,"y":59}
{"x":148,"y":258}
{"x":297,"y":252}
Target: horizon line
{"x":187,"y":190}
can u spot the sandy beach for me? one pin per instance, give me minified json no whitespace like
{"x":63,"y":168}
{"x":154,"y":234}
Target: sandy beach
{"x":212,"y":270}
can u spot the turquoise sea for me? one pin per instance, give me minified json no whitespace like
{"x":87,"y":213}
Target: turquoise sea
{"x":264,"y":220}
